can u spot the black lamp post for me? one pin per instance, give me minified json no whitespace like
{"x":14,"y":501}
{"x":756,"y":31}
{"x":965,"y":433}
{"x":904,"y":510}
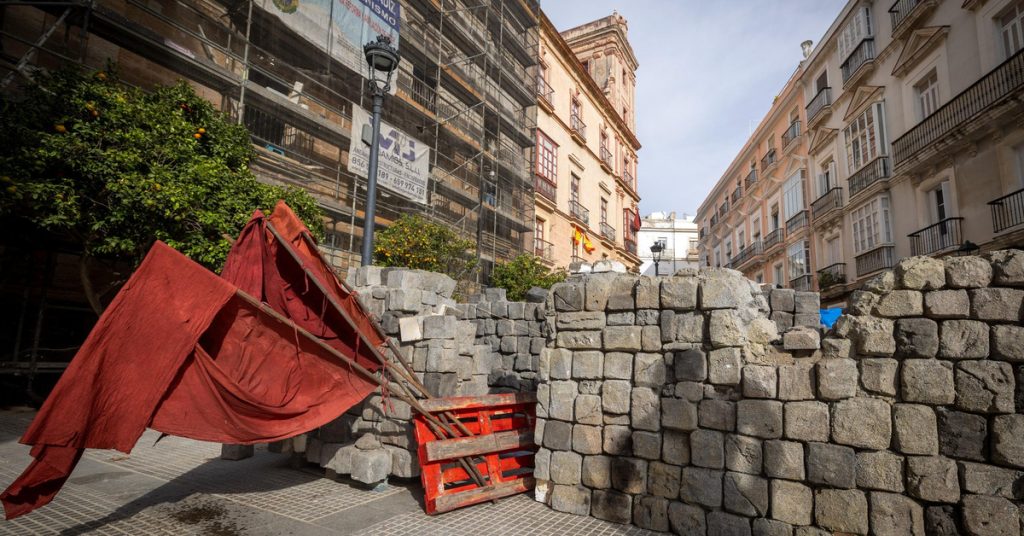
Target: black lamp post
{"x":382,"y":60}
{"x":656,"y":250}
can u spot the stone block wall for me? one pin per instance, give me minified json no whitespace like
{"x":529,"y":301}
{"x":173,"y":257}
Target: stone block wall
{"x":486,"y":346}
{"x":675,"y":403}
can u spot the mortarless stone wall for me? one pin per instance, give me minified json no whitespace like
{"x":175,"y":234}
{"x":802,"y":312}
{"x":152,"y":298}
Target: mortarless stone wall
{"x":675,"y":404}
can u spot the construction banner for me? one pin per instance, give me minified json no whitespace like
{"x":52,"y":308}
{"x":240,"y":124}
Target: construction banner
{"x":404,"y":164}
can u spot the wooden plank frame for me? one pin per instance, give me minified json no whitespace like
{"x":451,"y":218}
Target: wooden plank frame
{"x":501,"y":448}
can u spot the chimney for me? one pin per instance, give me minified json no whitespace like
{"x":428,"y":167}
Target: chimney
{"x":807,"y":47}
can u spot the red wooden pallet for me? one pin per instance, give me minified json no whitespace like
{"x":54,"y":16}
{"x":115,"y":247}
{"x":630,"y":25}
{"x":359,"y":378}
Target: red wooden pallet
{"x":501,"y":448}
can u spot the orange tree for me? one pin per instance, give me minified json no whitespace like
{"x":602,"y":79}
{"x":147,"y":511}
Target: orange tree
{"x":522,"y":273}
{"x":112,"y":169}
{"x":415,"y":242}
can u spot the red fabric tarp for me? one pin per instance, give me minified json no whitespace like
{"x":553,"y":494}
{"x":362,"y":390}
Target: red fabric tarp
{"x":177,"y":350}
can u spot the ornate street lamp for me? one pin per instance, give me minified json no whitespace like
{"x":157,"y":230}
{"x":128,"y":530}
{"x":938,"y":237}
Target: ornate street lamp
{"x":382,"y":60}
{"x":656,"y":250}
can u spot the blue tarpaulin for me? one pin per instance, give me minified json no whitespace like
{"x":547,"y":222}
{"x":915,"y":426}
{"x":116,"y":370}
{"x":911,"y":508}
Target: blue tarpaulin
{"x":829,"y":316}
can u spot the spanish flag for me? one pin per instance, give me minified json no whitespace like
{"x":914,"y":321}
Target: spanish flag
{"x":579,"y":237}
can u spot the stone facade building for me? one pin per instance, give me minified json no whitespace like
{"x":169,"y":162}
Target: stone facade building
{"x":585,"y":158}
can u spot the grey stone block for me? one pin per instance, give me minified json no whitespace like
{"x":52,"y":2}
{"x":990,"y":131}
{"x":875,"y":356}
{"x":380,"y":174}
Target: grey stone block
{"x":622,"y":338}
{"x":622,"y":319}
{"x":707,"y":449}
{"x":783,"y":299}
{"x":563,"y":400}
{"x":964,"y":339}
{"x":928,"y":381}
{"x":881,"y":283}
{"x":645,"y":409}
{"x":807,"y":302}
{"x":831,"y":465}
{"x":581,"y":340}
{"x":692,"y":365}
{"x":801,"y":338}
{"x":542,"y":464}
{"x":570,"y":499}
{"x":871,"y":336}
{"x":612,"y":506}
{"x":962,"y":435}
{"x":650,"y":338}
{"x":728,"y":524}
{"x":837,"y":378}
{"x":588,"y":410}
{"x":920,"y":273}
{"x":878,"y":375}
{"x":663,"y":480}
{"x":880,"y":470}
{"x":722,"y":289}
{"x":597,"y":472}
{"x":236,"y":452}
{"x":947,"y":304}
{"x":615,"y":395}
{"x":629,"y":475}
{"x":587,"y":365}
{"x":784,"y":459}
{"x":967,"y":272}
{"x":900,"y":303}
{"x":933,"y":479}
{"x":743,"y":454}
{"x":861,"y":303}
{"x":678,"y":414}
{"x":649,"y":370}
{"x":618,"y":366}
{"x":586,"y":440}
{"x":791,"y":502}
{"x":726,"y":328}
{"x":675,"y":447}
{"x":940,"y":520}
{"x":769,"y":527}
{"x":725,"y":366}
{"x":686,"y":519}
{"x":807,"y":421}
{"x":650,"y":512}
{"x":759,"y":418}
{"x":984,"y":479}
{"x":1007,"y":446}
{"x":996,"y":304}
{"x":371,"y":466}
{"x":566,"y":467}
{"x":915,"y":429}
{"x":1008,"y":342}
{"x":916,"y":337}
{"x":679,"y":293}
{"x":862,"y":422}
{"x":647,"y":445}
{"x":985,"y":387}
{"x":782,"y":319}
{"x":841,"y":510}
{"x":557,"y":435}
{"x":622,"y":296}
{"x":701,"y":487}
{"x":991,"y":516}
{"x":759,"y":381}
{"x":648,"y":293}
{"x":1007,"y":267}
{"x":617,"y":439}
{"x":896,"y":515}
{"x":581,"y":321}
{"x":797,"y":381}
{"x":745,"y":494}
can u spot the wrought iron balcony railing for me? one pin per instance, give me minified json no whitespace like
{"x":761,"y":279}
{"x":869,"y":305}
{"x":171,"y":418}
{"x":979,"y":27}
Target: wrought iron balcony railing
{"x":768,"y":160}
{"x":832,"y":200}
{"x":714,"y":220}
{"x":804,"y":282}
{"x":630,"y":244}
{"x":818,"y":103}
{"x":774,"y":238}
{"x":736,"y":194}
{"x":545,"y":188}
{"x":750,"y":179}
{"x":545,"y":91}
{"x":627,"y":177}
{"x":791,"y":133}
{"x":724,"y":209}
{"x":607,"y":231}
{"x":797,"y":221}
{"x":1007,"y":211}
{"x":606,"y":156}
{"x":864,"y":53}
{"x":873,"y":172}
{"x":832,"y":275}
{"x":937,"y":237}
{"x":901,"y":10}
{"x":880,"y":258}
{"x":578,"y":127}
{"x":748,"y":254}
{"x":1002,"y":83}
{"x":543,"y":249}
{"x":579,"y":212}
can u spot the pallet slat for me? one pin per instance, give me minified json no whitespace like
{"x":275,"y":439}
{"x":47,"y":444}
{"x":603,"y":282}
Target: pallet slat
{"x":447,"y":503}
{"x":448,"y":449}
{"x":471,"y":402}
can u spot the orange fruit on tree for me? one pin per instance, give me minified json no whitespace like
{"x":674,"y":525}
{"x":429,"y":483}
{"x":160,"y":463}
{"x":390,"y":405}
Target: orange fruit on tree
{"x":197,"y":135}
{"x":60,"y":128}
{"x":202,"y":130}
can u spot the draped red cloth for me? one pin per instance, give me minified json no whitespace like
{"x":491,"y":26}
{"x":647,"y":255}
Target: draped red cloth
{"x":178,"y":350}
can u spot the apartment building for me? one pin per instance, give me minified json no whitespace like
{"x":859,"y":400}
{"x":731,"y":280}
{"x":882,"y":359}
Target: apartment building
{"x":294,"y":74}
{"x":676,"y":239}
{"x":756,"y":219}
{"x":585,"y":185}
{"x":916,"y":126}
{"x":914,"y":143}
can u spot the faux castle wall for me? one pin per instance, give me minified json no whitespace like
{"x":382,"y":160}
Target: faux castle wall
{"x":675,"y":404}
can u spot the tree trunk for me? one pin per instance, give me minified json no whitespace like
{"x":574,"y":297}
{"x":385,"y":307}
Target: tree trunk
{"x":90,"y":292}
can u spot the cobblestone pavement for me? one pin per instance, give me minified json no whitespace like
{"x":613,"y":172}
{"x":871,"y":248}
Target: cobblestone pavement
{"x":179,"y":486}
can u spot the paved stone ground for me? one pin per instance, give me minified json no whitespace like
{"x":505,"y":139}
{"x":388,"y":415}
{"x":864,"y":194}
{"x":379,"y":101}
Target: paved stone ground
{"x":180,"y":486}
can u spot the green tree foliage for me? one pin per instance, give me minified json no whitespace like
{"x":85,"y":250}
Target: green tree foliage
{"x":415,"y":242}
{"x":522,"y":273}
{"x":114,"y":168}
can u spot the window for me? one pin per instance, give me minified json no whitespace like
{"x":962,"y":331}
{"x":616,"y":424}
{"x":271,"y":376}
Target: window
{"x":855,"y":31}
{"x":693,"y":244}
{"x":938,"y":202}
{"x":574,"y":189}
{"x":547,"y":158}
{"x":793,"y":194}
{"x":827,"y":177}
{"x":760,"y":278}
{"x":728,"y":249}
{"x":755,"y":228}
{"x":775,"y":216}
{"x":1011,"y":28}
{"x":718,"y":257}
{"x":740,"y":241}
{"x":586,"y":65}
{"x":538,"y":229}
{"x":821,"y":82}
{"x":604,"y":210}
{"x":777,"y":274}
{"x":927,"y":91}
{"x":871,"y":225}
{"x":799,"y":260}
{"x":833,"y":251}
{"x":575,"y":109}
{"x":865,"y":138}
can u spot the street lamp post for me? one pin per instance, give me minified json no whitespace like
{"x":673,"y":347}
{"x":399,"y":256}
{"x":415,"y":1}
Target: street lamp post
{"x":382,"y":60}
{"x":656,"y":250}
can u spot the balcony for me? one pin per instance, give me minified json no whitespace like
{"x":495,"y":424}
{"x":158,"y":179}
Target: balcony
{"x":724,"y":209}
{"x":798,"y":221}
{"x":579,"y":212}
{"x":545,"y":92}
{"x":937,"y":238}
{"x":774,"y":238}
{"x":545,"y":188}
{"x":791,"y":133}
{"x":714,"y":220}
{"x":804,"y":282}
{"x":630,"y":244}
{"x":544,"y":249}
{"x":627,"y":178}
{"x":606,"y":159}
{"x":953,"y":119}
{"x":903,"y":13}
{"x":768,"y":161}
{"x":875,"y":171}
{"x":832,"y":200}
{"x":700,"y":233}
{"x":863,"y":55}
{"x":607,"y":231}
{"x":1007,"y":211}
{"x":736,"y":194}
{"x":822,"y":102}
{"x":748,"y":254}
{"x":751,"y":179}
{"x":578,"y":128}
{"x":832,"y":275}
{"x":880,"y":258}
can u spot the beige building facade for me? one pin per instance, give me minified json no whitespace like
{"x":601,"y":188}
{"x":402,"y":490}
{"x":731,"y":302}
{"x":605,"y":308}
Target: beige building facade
{"x":756,"y":219}
{"x":585,"y":185}
{"x":914,"y":137}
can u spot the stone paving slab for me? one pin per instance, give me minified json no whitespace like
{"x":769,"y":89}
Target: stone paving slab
{"x":179,"y":486}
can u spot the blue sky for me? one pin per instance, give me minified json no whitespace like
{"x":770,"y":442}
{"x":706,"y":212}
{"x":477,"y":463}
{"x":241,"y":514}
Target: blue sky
{"x":708,"y":74}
